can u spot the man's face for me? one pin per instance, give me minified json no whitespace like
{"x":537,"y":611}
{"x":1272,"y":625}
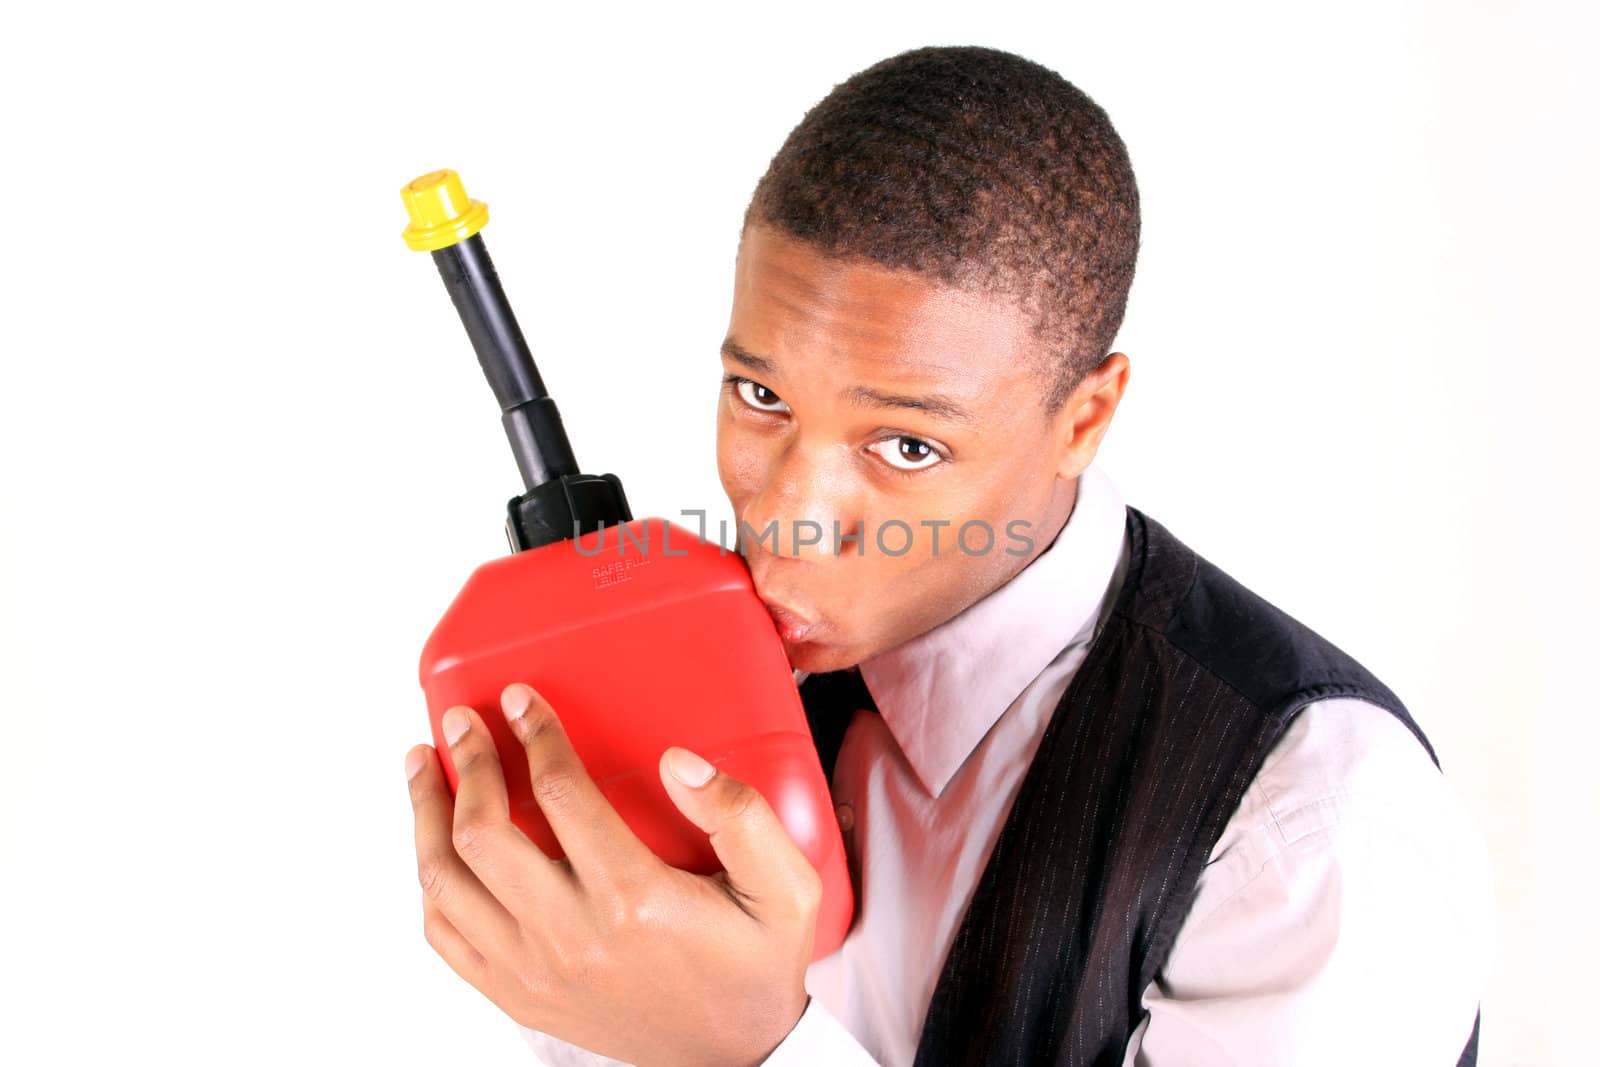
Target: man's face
{"x":868,"y":396}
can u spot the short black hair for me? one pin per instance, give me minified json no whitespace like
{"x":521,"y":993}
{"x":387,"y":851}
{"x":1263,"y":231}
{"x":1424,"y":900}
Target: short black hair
{"x":979,"y":169}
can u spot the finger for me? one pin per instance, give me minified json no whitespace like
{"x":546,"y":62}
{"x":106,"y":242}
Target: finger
{"x":447,"y":883}
{"x":505,"y":861}
{"x":454,"y":949}
{"x":766,"y":869}
{"x":595,"y":838}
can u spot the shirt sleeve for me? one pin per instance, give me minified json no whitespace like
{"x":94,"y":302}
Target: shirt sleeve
{"x":551,"y":1051}
{"x":817,"y":1038}
{"x":1345,"y":914}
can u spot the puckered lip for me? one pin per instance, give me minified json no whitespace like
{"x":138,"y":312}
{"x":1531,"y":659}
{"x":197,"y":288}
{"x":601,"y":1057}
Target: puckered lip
{"x":790,"y":623}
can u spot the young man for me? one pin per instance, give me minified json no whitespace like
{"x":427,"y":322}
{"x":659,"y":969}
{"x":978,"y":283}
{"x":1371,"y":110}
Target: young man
{"x":1102,"y":804}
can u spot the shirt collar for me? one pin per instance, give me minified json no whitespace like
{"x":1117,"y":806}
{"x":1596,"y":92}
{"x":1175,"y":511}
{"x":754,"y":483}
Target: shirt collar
{"x":942,"y":691}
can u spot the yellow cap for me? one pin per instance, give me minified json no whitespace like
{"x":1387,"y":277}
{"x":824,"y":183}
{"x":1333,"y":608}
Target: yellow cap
{"x":441,"y":214}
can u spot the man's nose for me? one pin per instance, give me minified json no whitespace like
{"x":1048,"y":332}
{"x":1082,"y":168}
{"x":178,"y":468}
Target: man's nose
{"x":806,"y":509}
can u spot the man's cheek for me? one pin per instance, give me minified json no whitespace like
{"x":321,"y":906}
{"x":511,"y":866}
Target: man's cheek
{"x":743,"y":473}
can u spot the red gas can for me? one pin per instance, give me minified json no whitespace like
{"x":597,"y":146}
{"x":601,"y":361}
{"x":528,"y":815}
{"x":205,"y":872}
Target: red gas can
{"x":639,"y":634}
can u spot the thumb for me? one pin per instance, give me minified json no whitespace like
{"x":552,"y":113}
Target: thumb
{"x":763,"y":863}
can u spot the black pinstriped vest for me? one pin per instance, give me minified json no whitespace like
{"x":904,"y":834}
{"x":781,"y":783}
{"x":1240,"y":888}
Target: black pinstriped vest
{"x":1189,"y":683}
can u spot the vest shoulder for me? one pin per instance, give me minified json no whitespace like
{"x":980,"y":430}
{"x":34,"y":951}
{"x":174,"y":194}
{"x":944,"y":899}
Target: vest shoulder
{"x":1274,"y":660}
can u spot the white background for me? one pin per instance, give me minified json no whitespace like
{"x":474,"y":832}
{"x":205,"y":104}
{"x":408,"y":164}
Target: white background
{"x":248,"y":457}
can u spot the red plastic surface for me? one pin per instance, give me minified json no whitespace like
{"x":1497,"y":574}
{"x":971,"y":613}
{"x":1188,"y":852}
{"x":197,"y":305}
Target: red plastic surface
{"x":641,"y":640}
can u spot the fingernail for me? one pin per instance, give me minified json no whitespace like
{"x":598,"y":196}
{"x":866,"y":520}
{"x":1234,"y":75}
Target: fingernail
{"x":414,"y":762}
{"x":688,"y":768}
{"x":515,"y":700}
{"x":455,"y":724}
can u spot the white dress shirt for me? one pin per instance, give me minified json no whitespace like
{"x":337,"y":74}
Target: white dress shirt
{"x":1344,"y":915}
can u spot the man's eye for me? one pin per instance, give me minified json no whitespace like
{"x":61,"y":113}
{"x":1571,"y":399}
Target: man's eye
{"x":907,"y":453}
{"x":759,"y":396}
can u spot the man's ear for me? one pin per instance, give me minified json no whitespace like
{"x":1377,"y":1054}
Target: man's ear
{"x":1085,"y":416}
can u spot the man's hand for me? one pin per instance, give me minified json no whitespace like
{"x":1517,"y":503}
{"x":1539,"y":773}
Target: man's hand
{"x":610,"y":948}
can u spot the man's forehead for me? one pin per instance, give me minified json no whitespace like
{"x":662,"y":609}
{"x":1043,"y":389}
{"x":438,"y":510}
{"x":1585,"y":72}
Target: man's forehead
{"x":789,"y":294}
{"x":796,"y":270}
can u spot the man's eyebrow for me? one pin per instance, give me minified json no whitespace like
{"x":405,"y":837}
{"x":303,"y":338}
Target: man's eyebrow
{"x":739,"y":354}
{"x":933,"y":404}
